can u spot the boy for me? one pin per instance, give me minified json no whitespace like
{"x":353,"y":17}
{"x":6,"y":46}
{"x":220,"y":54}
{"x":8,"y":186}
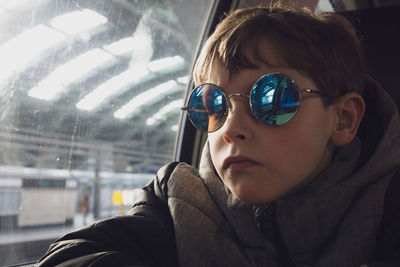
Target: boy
{"x":292,"y":173}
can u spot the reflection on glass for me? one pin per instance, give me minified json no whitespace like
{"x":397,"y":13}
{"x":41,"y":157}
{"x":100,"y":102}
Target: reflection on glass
{"x":148,"y":97}
{"x":26,"y":47}
{"x":79,"y":68}
{"x":78,"y":21}
{"x":90,"y":96}
{"x":118,"y":84}
{"x":123,"y":46}
{"x":161,"y":114}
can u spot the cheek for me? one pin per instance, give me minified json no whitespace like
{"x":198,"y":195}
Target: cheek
{"x":306,"y":135}
{"x":218,"y":151}
{"x":308,"y":147}
{"x":215,"y":143}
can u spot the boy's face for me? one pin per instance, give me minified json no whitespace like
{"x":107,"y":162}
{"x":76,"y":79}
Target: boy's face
{"x":261,"y":163}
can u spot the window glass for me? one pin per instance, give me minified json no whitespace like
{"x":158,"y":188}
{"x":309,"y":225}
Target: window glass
{"x":90,"y":94}
{"x":316,"y":5}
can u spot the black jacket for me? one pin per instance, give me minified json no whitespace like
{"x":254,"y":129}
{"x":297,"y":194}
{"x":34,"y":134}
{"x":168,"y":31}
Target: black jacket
{"x":145,"y":237}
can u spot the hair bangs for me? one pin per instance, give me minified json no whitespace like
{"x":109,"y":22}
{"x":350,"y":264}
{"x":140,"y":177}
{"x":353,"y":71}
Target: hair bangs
{"x":322,"y":46}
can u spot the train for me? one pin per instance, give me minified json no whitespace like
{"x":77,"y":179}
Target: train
{"x":34,"y":197}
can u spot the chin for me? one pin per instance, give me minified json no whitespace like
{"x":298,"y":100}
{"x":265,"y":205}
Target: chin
{"x":254,"y":196}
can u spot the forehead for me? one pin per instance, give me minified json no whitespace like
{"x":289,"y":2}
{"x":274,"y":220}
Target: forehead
{"x":265,"y":51}
{"x":261,"y":54}
{"x":244,"y":79}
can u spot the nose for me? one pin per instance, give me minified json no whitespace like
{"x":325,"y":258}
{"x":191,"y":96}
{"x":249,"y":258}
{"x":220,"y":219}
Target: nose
{"x":238,"y":124}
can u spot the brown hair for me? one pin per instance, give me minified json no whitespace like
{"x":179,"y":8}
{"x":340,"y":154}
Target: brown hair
{"x":323,"y":46}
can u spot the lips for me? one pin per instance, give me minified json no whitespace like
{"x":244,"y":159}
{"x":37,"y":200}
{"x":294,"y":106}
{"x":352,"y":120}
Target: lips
{"x":236,"y":163}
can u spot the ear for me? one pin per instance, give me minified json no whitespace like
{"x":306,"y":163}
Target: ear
{"x":349,"y":110}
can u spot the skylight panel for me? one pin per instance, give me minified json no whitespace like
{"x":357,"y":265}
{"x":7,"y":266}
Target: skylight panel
{"x":124,"y":81}
{"x":166,"y":64}
{"x":183,"y":80}
{"x":26,"y":48}
{"x":175,"y":128}
{"x":122,"y":47}
{"x":140,"y":43}
{"x":111,"y":87}
{"x":77,"y":69}
{"x":161,"y":114}
{"x":77,"y":22}
{"x":324,"y":6}
{"x":13,"y":4}
{"x":148,"y":97}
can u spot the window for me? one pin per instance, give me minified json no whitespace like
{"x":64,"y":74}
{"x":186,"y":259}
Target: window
{"x":90,"y":97}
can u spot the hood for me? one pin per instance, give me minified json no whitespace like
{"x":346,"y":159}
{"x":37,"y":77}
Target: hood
{"x":374,"y":152}
{"x":379,"y":133}
{"x":346,"y":198}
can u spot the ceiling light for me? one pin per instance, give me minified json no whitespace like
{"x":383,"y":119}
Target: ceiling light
{"x":160,"y":115}
{"x":125,"y":81}
{"x":13,"y":4}
{"x":183,"y":80}
{"x":146,"y":98}
{"x":127,"y":46}
{"x":77,"y":69}
{"x":121,"y":47}
{"x":78,"y":21}
{"x":175,"y":128}
{"x":166,"y":64}
{"x":27,"y":47}
{"x":114,"y":86}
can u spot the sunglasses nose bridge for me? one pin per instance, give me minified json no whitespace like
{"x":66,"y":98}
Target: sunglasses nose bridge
{"x":245,"y":104}
{"x":229,"y":102}
{"x":237,"y":94}
{"x":228,"y":98}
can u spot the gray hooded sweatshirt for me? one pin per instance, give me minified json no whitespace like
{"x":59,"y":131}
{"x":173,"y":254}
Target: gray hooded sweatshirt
{"x":332,"y":221}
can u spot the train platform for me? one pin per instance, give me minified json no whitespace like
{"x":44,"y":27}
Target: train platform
{"x":29,"y":244}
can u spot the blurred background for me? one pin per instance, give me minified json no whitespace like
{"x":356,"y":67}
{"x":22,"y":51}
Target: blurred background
{"x":90,"y":95}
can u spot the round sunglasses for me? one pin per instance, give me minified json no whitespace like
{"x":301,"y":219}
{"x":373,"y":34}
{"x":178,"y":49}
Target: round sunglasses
{"x":274,"y":99}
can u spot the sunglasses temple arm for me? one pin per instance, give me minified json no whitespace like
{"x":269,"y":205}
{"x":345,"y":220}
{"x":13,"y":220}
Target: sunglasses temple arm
{"x":194,"y":109}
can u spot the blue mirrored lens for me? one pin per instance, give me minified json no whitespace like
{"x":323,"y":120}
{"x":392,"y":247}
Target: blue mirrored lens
{"x":274,"y":99}
{"x":207,"y":107}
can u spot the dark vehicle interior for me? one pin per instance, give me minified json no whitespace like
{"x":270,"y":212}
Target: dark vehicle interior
{"x":94,"y":108}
